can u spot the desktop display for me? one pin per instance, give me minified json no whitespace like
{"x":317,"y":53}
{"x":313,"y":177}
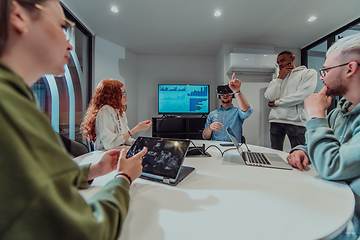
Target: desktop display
{"x":183,"y":99}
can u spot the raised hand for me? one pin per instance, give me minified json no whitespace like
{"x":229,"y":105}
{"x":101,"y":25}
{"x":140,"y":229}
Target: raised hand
{"x":145,"y":125}
{"x":234,"y":84}
{"x":316,"y":104}
{"x":284,"y":71}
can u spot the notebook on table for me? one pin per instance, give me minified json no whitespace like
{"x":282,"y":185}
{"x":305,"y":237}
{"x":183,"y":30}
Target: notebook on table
{"x":257,"y":159}
{"x":163,"y":160}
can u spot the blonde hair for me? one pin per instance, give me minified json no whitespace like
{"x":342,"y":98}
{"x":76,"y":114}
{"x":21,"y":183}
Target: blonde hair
{"x":348,"y":47}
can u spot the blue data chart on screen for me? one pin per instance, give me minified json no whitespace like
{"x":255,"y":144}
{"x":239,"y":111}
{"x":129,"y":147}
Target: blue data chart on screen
{"x":183,"y":98}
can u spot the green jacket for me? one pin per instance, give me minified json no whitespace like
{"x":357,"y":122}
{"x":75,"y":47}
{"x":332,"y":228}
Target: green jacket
{"x":333,"y":147}
{"x":39,"y":182}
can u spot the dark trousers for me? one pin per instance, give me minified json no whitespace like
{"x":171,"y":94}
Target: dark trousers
{"x":278,"y":131}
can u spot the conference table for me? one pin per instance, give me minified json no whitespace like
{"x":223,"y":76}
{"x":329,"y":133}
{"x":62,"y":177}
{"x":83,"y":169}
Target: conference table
{"x":226,"y":199}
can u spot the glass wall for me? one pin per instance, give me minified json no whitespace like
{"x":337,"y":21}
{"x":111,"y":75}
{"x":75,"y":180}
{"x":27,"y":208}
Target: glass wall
{"x":315,"y":52}
{"x":313,"y":56}
{"x":64,"y":99}
{"x":351,"y":31}
{"x":316,"y":59}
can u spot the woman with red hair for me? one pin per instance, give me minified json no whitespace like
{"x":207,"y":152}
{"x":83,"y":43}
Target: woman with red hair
{"x":105,"y":124}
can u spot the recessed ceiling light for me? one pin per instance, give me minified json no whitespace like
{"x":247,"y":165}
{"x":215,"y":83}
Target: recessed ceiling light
{"x":217,"y":13}
{"x":312,"y":19}
{"x":114,"y":9}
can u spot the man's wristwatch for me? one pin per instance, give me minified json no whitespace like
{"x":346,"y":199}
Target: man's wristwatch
{"x":237,"y":92}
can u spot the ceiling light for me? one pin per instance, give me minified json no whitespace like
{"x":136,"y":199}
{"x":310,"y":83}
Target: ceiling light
{"x":114,"y":9}
{"x":312,"y":19}
{"x":217,"y":13}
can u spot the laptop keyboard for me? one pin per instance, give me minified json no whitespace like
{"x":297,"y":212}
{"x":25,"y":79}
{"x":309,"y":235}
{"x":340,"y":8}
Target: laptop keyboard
{"x":258,"y":158}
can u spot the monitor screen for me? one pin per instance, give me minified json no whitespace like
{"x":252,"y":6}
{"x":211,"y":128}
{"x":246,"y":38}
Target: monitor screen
{"x":183,"y":99}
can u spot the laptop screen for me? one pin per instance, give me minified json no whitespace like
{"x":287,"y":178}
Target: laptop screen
{"x":233,"y":138}
{"x":164,"y":156}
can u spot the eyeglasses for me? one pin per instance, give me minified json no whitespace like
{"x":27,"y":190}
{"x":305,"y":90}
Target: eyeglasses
{"x":325,"y":70}
{"x":125,"y":94}
{"x":69,"y":26}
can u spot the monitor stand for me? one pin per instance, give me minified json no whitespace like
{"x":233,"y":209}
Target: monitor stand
{"x":184,"y":172}
{"x":169,"y":116}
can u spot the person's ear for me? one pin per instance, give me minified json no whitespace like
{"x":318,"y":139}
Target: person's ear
{"x":352,"y":67}
{"x":293,"y":58}
{"x":18,"y":18}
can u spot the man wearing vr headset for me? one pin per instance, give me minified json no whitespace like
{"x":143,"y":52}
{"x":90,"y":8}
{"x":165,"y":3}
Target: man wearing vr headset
{"x":228,"y":115}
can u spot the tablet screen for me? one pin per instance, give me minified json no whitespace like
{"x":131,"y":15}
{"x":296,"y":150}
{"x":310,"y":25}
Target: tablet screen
{"x":164,"y":156}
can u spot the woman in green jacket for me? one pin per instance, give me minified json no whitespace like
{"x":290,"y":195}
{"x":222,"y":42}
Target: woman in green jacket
{"x":38,"y":180}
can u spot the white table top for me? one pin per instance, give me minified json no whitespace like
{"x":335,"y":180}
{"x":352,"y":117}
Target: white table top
{"x":225,"y":199}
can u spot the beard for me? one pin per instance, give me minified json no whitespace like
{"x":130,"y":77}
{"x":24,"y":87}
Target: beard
{"x":338,"y":88}
{"x":226,"y":100}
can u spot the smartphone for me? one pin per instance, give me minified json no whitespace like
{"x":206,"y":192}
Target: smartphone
{"x":226,"y":144}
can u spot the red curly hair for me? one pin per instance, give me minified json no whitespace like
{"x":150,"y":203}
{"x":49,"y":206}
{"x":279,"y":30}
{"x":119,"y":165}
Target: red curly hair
{"x":106,"y":93}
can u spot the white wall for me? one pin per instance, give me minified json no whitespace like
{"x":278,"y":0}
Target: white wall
{"x":256,"y":127}
{"x":128,"y":69}
{"x":156,"y":69}
{"x":107,"y":55}
{"x":116,"y":62}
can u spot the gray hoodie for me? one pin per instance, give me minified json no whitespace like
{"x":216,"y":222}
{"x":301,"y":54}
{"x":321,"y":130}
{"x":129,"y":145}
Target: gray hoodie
{"x":288,"y":95}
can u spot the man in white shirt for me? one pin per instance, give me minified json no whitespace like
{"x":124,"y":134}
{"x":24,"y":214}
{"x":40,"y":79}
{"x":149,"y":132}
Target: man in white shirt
{"x":286,"y":96}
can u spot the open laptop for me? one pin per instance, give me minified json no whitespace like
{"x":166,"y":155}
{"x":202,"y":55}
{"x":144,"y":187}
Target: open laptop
{"x":256,"y":159}
{"x":163,"y":160}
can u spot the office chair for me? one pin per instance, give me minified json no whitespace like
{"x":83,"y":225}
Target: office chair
{"x":90,"y":146}
{"x":75,"y":148}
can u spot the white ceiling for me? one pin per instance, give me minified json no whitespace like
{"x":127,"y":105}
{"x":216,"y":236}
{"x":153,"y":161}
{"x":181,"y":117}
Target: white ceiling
{"x":189,"y":26}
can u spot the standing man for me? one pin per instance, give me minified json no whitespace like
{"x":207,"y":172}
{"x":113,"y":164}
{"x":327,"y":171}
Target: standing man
{"x":228,"y":115}
{"x":286,"y":96}
{"x":333,"y":142}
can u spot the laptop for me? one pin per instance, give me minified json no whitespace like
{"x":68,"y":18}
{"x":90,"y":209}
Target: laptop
{"x":256,"y":159}
{"x":163,"y":160}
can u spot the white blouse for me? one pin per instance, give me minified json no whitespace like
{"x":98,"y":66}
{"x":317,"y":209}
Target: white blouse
{"x":110,"y":127}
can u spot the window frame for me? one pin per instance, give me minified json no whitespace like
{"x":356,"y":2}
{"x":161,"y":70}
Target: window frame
{"x":329,"y":39}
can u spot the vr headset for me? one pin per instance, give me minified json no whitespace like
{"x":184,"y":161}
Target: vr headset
{"x":224,"y":89}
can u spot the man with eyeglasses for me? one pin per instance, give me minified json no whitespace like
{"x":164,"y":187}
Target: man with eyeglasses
{"x":333,"y":142}
{"x":286,"y":96}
